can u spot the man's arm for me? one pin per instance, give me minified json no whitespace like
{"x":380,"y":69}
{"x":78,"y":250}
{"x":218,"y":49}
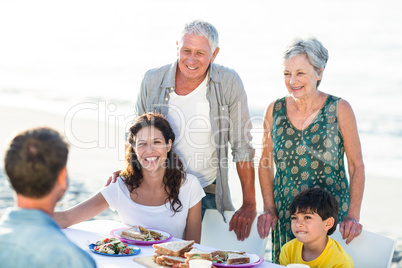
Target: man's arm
{"x":140,"y":105}
{"x":243,"y":154}
{"x":243,"y":218}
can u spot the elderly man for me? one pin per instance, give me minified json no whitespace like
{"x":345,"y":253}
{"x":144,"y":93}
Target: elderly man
{"x":206,"y":104}
{"x":35,"y":163}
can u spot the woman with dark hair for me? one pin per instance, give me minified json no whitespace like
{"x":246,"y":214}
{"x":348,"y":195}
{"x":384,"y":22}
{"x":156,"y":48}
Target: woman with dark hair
{"x":153,"y":191}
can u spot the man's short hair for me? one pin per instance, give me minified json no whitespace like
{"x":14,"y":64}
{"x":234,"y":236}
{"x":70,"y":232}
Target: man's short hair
{"x":316,"y":200}
{"x":34,"y":159}
{"x":202,"y":28}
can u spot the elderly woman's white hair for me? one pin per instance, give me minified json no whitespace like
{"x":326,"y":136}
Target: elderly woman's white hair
{"x":316,"y":53}
{"x":201,"y":28}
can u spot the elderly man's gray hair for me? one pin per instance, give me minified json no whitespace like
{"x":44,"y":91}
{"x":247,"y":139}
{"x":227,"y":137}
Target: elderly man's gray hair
{"x":202,"y":28}
{"x":316,"y":53}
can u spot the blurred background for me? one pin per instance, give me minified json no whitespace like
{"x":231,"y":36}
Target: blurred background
{"x":77,"y":66}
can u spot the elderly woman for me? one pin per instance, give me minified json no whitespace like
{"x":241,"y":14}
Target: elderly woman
{"x":306,"y":134}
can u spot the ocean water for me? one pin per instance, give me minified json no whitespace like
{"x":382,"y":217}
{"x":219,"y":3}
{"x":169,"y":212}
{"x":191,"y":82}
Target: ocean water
{"x":77,"y":57}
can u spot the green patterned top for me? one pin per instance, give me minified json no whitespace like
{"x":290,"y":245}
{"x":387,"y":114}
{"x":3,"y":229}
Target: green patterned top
{"x":312,"y":157}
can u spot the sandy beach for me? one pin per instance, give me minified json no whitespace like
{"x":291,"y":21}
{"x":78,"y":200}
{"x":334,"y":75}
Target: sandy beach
{"x":90,"y":167}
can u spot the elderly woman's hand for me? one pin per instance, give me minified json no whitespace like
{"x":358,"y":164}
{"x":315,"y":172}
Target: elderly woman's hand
{"x":350,"y":228}
{"x":266,"y":221}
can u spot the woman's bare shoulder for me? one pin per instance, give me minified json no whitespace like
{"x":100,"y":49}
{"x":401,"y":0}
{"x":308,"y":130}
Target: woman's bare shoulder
{"x":344,"y":108}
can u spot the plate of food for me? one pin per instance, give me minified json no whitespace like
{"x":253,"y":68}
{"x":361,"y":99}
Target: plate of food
{"x":113,"y":247}
{"x":141,"y":236}
{"x":222,"y":258}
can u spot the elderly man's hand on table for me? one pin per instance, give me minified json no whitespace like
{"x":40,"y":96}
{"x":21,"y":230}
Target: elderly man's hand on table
{"x":242,"y":220}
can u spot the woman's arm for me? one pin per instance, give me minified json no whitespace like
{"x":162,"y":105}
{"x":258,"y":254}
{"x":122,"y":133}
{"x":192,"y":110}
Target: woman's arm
{"x":193,"y":225}
{"x":266,"y":176}
{"x":81,"y":212}
{"x":350,"y":227}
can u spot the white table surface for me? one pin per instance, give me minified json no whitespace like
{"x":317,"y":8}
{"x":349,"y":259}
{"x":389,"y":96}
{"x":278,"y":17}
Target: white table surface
{"x":89,"y":232}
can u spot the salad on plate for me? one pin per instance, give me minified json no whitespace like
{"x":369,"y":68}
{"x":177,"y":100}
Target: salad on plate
{"x":113,"y":246}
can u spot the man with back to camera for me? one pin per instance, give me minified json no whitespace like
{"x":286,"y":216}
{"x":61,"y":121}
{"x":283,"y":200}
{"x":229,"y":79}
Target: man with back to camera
{"x":35,"y":163}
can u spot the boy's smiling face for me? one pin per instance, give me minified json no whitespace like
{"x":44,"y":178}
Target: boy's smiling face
{"x":309,"y":227}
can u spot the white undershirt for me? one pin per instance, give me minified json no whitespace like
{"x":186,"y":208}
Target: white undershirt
{"x":189,"y":117}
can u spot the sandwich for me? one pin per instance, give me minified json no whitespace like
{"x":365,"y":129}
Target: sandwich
{"x":140,"y":233}
{"x":151,"y":233}
{"x":235,"y":258}
{"x":196,"y":253}
{"x":133,"y":233}
{"x":221,"y":256}
{"x":181,"y":265}
{"x":176,"y":248}
{"x":168,"y":260}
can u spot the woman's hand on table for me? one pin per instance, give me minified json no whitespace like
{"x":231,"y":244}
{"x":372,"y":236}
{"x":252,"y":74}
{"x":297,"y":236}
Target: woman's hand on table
{"x":350,"y":228}
{"x":266,"y":221}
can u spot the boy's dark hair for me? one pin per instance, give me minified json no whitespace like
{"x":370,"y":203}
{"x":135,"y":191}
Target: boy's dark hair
{"x":316,"y":200}
{"x":33,"y":161}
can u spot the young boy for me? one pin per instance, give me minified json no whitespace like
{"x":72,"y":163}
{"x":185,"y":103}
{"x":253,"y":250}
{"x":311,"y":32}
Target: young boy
{"x":314,"y":214}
